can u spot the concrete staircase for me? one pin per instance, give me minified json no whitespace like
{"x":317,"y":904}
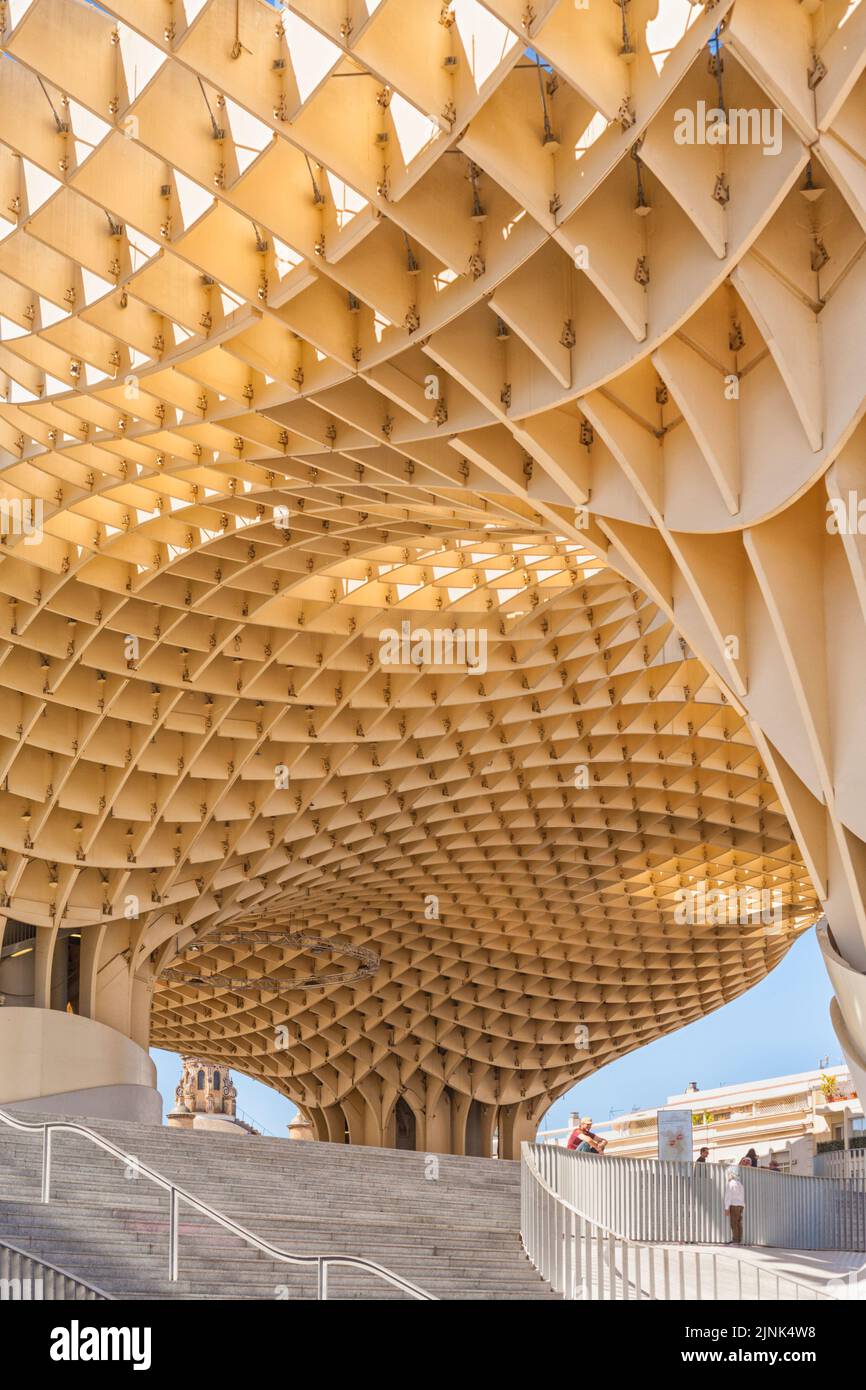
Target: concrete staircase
{"x":456,"y":1235}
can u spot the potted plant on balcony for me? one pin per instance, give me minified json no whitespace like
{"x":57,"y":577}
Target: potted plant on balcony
{"x":830,"y":1086}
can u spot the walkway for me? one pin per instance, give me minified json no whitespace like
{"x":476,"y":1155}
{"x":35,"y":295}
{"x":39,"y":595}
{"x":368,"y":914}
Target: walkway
{"x":750,"y":1272}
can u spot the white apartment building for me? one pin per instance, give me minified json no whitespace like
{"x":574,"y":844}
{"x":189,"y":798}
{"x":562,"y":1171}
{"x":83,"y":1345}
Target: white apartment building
{"x":786,"y":1118}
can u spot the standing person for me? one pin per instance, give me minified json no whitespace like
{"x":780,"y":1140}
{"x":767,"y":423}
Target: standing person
{"x":735,"y":1205}
{"x":773,"y":1165}
{"x":703,"y":1156}
{"x":751,"y":1159}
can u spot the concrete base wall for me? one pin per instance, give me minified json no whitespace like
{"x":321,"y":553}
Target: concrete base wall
{"x":141,"y":1103}
{"x":68,"y":1065}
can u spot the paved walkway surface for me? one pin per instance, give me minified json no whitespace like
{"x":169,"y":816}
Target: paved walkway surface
{"x":758,"y":1272}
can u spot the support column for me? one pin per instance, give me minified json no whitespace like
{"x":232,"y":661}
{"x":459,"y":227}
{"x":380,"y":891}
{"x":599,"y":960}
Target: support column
{"x":317,"y":1120}
{"x":335,"y":1123}
{"x":355,"y":1110}
{"x":516,"y":1125}
{"x":437,"y":1134}
{"x":459,"y":1110}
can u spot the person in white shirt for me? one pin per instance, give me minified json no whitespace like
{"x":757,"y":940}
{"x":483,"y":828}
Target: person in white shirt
{"x":735,"y":1203}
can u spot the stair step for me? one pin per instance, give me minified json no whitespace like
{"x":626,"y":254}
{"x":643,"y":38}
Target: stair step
{"x":457,"y":1235}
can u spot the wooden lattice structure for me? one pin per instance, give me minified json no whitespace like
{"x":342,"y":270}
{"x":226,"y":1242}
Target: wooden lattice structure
{"x":324,"y":319}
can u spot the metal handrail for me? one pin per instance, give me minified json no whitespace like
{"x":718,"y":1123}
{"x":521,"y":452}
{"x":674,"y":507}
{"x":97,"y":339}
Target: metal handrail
{"x":40,"y":1263}
{"x":254,"y":1124}
{"x":575,"y":1253}
{"x":179,"y":1194}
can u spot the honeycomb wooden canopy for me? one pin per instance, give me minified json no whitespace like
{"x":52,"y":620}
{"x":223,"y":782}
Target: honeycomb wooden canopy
{"x":333,"y":321}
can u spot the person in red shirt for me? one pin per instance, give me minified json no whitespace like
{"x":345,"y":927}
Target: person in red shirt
{"x":582,"y":1139}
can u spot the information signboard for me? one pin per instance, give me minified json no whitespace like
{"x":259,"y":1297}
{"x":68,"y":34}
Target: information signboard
{"x":675,"y":1135}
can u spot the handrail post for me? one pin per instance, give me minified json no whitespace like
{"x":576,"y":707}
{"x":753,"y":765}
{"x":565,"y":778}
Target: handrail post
{"x":322,"y":1278}
{"x":172,"y":1235}
{"x":46,"y":1164}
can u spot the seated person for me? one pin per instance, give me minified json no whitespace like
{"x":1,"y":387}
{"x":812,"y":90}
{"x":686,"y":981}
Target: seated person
{"x":582,"y":1139}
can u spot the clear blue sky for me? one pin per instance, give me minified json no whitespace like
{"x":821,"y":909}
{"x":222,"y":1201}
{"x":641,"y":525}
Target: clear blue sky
{"x":780,"y":1026}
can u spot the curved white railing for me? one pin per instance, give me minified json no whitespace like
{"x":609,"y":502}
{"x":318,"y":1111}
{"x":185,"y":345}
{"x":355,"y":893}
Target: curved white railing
{"x":176,"y":1195}
{"x":24,"y":1276}
{"x":843,"y":1165}
{"x":647,"y":1199}
{"x":585,"y":1260}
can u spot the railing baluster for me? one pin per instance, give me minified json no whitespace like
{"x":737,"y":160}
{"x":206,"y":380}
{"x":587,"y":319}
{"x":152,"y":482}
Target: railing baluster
{"x":559,"y":1249}
{"x":23,"y":1276}
{"x":46,"y":1163}
{"x":172,"y":1235}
